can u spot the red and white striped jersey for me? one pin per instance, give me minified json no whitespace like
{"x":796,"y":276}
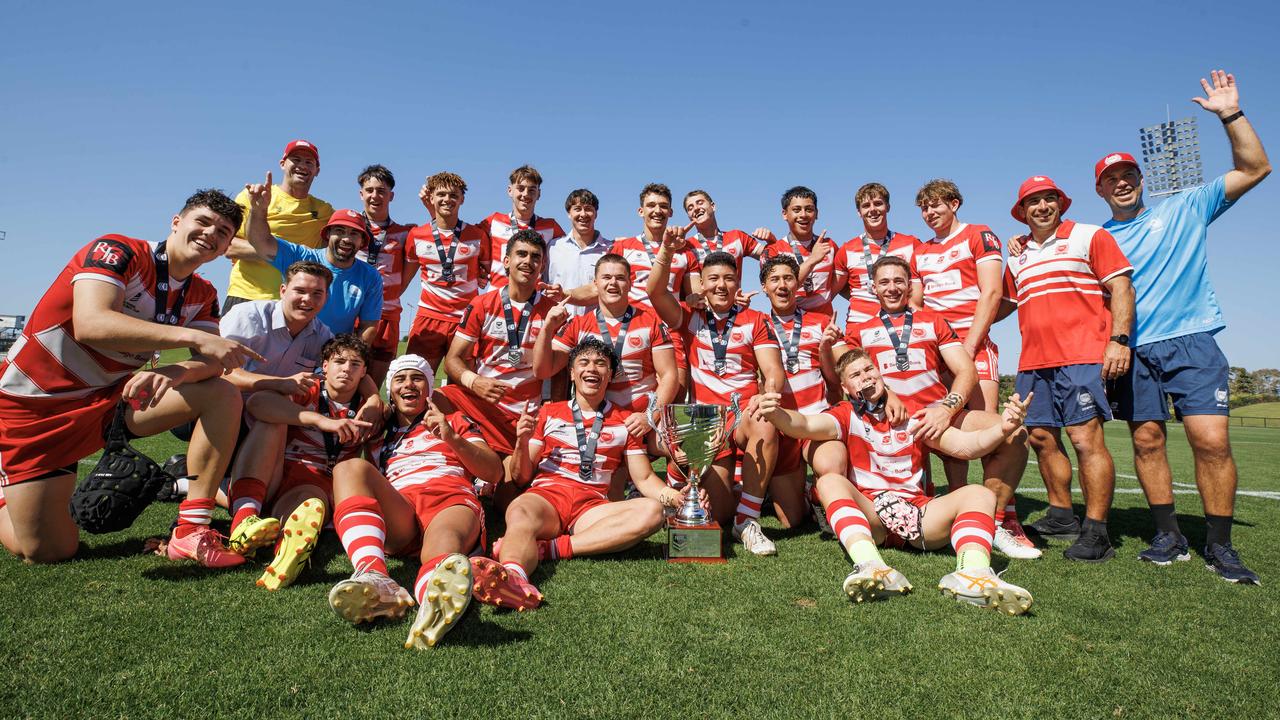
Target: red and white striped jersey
{"x":948,"y":267}
{"x":882,"y":457}
{"x":819,"y":289}
{"x":422,"y":458}
{"x":555,"y":441}
{"x":751,"y":332}
{"x":439,"y":299}
{"x":636,"y":376}
{"x":483,"y":324}
{"x":500,"y":228}
{"x":920,"y":385}
{"x":305,"y":445}
{"x":854,"y":269}
{"x":805,"y":390}
{"x":1062,"y":310}
{"x":735,"y":242}
{"x":49,"y":367}
{"x":390,"y":262}
{"x":641,"y":256}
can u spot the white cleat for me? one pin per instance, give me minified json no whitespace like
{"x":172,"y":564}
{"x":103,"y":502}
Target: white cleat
{"x":984,"y":588}
{"x":1012,"y":546}
{"x":447,"y":598}
{"x":368,"y":594}
{"x":873,"y":581}
{"x":752,"y":537}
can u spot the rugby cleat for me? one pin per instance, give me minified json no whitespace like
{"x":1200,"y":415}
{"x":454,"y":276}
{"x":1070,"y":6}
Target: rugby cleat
{"x":873,"y":581}
{"x":1225,"y":561}
{"x":369,"y":594}
{"x":984,"y":588}
{"x":495,"y":585}
{"x":252,"y":533}
{"x":1167,"y":547}
{"x":1011,"y":546}
{"x":449,"y":591}
{"x":752,"y":537}
{"x":205,"y":547}
{"x":301,"y":531}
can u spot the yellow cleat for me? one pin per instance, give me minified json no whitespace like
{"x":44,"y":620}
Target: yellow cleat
{"x":252,"y":533}
{"x":443,"y":608}
{"x":301,"y":531}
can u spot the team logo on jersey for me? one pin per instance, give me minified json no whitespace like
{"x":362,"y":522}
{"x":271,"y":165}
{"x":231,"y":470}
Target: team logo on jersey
{"x":980,"y":364}
{"x":634,"y":341}
{"x":955,"y":253}
{"x":109,"y":255}
{"x":1085,"y":399}
{"x":990,"y":242}
{"x":1221,"y":395}
{"x":606,"y":437}
{"x":464,"y":249}
{"x":736,"y":336}
{"x":498,"y":323}
{"x":885,"y":439}
{"x":902,"y":436}
{"x":1061,"y":249}
{"x":1022,"y":259}
{"x":806,"y":334}
{"x":917,"y":332}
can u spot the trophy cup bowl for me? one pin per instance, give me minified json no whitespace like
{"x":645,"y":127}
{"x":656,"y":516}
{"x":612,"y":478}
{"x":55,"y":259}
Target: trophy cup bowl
{"x":698,"y":431}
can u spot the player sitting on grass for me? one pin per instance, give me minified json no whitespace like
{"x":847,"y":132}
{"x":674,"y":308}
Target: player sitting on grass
{"x":416,"y":495}
{"x":885,"y":501}
{"x":313,"y":430}
{"x":571,"y":452}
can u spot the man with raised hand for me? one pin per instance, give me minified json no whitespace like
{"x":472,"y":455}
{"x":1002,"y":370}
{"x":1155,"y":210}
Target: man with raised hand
{"x":111,"y":310}
{"x":1176,"y":317}
{"x":855,"y":258}
{"x":293,"y":214}
{"x":815,"y":253}
{"x":1072,"y":340}
{"x":884,"y":500}
{"x":414,"y":494}
{"x":729,"y":347}
{"x":449,"y":252}
{"x":708,"y":237}
{"x":385,"y":252}
{"x":524,"y":189}
{"x":355,"y":298}
{"x":568,"y":454}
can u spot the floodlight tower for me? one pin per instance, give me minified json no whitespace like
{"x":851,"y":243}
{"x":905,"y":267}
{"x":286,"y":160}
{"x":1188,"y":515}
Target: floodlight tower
{"x":1171,"y":156}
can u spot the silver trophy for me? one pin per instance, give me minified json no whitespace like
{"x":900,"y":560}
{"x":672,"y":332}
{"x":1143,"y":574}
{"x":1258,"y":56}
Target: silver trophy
{"x":697,"y":432}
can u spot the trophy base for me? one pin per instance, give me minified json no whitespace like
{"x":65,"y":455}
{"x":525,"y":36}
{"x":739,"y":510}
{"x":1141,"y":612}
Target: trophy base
{"x":694,"y":543}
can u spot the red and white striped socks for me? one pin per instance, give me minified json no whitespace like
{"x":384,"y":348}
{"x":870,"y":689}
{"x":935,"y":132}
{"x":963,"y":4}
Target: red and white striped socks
{"x":748,"y":509}
{"x":971,"y":536}
{"x":358,"y":521}
{"x":851,"y":527}
{"x":193,"y":515}
{"x":422,"y":584}
{"x":247,"y":496}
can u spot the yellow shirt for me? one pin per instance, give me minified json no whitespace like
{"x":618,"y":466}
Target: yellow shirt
{"x":298,"y":221}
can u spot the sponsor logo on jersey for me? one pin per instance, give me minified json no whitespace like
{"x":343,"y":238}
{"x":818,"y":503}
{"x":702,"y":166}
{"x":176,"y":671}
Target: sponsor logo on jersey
{"x":109,"y":255}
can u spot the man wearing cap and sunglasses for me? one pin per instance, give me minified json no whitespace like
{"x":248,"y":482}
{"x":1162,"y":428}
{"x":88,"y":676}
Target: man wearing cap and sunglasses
{"x":1074,"y":298}
{"x":294,"y":215}
{"x":355,"y":297}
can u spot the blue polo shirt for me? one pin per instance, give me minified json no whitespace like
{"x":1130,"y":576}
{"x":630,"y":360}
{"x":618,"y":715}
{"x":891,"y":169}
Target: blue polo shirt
{"x":1166,"y":245}
{"x":356,"y":292}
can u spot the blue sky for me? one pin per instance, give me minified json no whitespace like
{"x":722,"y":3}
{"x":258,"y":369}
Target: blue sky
{"x":114,"y":114}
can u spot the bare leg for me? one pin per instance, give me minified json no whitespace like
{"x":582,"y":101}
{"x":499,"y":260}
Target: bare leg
{"x":616,"y":526}
{"x":1215,"y":465}
{"x":1097,"y":470}
{"x":529,"y":519}
{"x":35,"y":523}
{"x":1151,"y":461}
{"x":215,"y":405}
{"x":1055,"y":466}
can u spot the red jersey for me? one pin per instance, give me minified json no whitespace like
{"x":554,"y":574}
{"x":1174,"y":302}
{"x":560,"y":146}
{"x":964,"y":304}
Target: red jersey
{"x":735,"y":242}
{"x":413,"y":456}
{"x":440,"y":298}
{"x":306,"y":445}
{"x":641,"y":254}
{"x":49,"y":369}
{"x":853,"y":268}
{"x":555,"y":438}
{"x":920,"y":385}
{"x":636,"y":376}
{"x":805,"y":389}
{"x":484,"y":323}
{"x":949,"y":270}
{"x":1062,"y":311}
{"x":882,"y":457}
{"x":500,"y":228}
{"x":819,"y":289}
{"x":751,"y":331}
{"x":387,"y":254}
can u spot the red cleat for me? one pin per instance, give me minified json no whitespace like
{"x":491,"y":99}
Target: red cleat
{"x":497,"y":586}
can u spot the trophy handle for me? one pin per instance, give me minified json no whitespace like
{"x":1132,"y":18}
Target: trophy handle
{"x":649,"y":411}
{"x":737,"y":414}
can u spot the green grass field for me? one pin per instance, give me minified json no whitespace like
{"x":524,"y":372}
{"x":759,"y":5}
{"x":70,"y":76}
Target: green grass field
{"x":1258,"y":410}
{"x":118,"y":633}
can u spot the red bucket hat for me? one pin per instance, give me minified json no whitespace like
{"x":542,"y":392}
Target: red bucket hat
{"x":1033,"y":185}
{"x":351,"y":219}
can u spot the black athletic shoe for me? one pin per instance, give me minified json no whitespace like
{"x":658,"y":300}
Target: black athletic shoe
{"x":1092,"y":547}
{"x":1224,"y":560}
{"x":1166,"y":547}
{"x":1051,"y":527}
{"x":175,"y":467}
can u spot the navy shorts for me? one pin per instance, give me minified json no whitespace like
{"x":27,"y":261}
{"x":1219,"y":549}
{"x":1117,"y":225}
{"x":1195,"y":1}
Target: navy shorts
{"x":1190,"y":369}
{"x":1064,"y":396}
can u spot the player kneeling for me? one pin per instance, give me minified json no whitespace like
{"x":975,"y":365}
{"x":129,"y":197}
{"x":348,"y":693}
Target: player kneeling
{"x":417,"y":494}
{"x":887,"y":502}
{"x":576,"y":447}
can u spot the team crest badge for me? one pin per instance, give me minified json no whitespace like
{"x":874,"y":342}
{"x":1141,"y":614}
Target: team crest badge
{"x":606,"y":437}
{"x":902,"y":437}
{"x":634,"y":341}
{"x":917,"y":332}
{"x":1085,"y":398}
{"x":737,"y":336}
{"x":1221,"y":395}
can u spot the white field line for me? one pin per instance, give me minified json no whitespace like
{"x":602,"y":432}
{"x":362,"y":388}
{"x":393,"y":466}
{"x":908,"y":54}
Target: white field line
{"x":1179,"y":488}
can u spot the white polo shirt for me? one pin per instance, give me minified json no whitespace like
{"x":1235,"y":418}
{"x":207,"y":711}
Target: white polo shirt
{"x":260,"y":325}
{"x":573,"y":266}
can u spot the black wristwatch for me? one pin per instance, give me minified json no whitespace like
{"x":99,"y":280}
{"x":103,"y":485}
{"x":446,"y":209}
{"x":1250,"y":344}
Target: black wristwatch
{"x":1122,"y":339}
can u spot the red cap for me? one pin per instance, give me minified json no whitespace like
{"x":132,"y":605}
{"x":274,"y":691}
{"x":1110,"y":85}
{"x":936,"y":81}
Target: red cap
{"x":301,"y":146}
{"x":1033,"y":185}
{"x":351,"y":219}
{"x":1112,"y":159}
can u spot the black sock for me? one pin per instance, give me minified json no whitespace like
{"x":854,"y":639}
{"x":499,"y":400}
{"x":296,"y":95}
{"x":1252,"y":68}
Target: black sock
{"x":1063,"y":514}
{"x":1165,"y":518}
{"x":1094,"y":527}
{"x":1217,"y":529}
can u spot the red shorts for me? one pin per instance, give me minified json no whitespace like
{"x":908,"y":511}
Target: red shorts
{"x":428,"y":499}
{"x":430,"y":337}
{"x":37,"y":438}
{"x":987,"y":360}
{"x":893,"y":540}
{"x":386,"y":340}
{"x":676,"y":477}
{"x":497,"y":426}
{"x":790,"y":455}
{"x":297,"y":475}
{"x":570,"y":499}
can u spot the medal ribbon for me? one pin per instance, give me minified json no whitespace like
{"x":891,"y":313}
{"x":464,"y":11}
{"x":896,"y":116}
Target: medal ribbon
{"x":618,"y":345}
{"x":792,"y":346}
{"x":162,"y":313}
{"x":587,"y":443}
{"x":720,"y":338}
{"x":899,"y":343}
{"x":332,"y":447}
{"x":446,"y":261}
{"x":516,"y":332}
